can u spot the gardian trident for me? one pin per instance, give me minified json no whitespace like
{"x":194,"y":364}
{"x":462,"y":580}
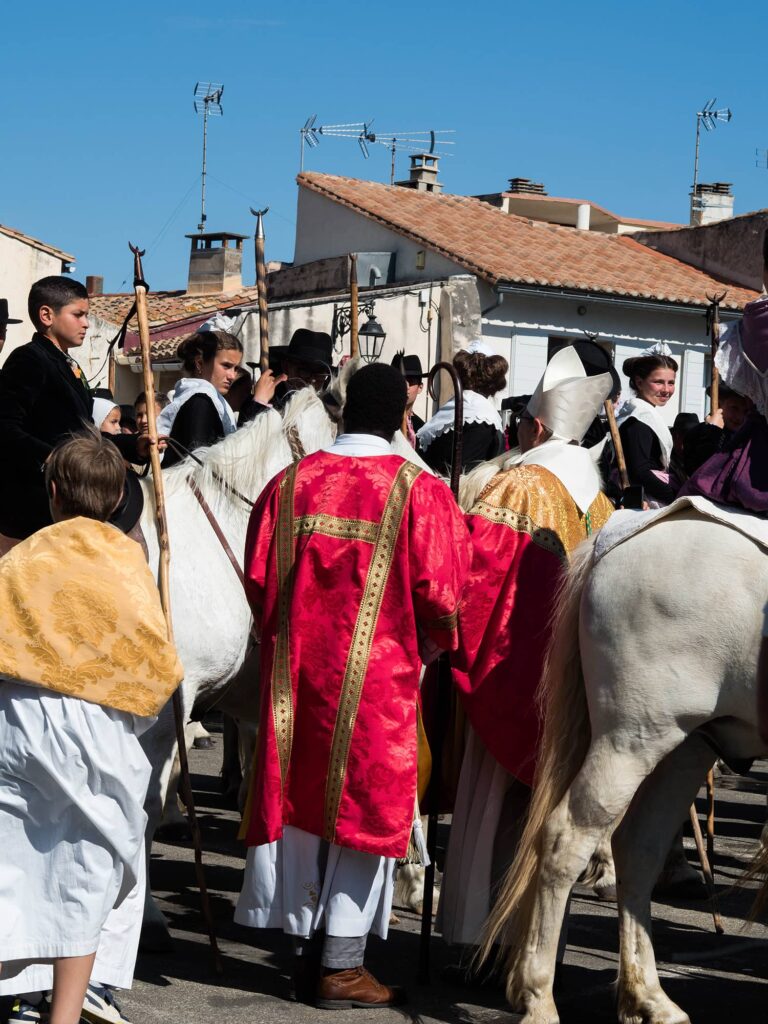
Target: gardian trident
{"x":261,"y":285}
{"x":441,"y":713}
{"x":141,"y":288}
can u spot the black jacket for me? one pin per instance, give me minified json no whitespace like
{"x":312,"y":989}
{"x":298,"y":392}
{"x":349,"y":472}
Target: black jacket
{"x":642,"y":453}
{"x":197,"y":425}
{"x":41,"y":403}
{"x":481,"y":442}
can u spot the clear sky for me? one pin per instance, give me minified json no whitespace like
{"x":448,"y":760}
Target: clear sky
{"x":595,"y":99}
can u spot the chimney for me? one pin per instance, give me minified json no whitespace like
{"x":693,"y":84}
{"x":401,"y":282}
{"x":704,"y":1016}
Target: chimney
{"x":423,"y":174}
{"x":215,"y":263}
{"x":94,"y":284}
{"x":711,"y":203}
{"x":524,"y":186}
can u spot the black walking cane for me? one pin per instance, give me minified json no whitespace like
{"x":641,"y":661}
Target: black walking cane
{"x":443,"y":691}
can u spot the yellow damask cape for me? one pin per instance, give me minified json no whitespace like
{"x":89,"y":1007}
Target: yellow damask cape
{"x":80,"y":614}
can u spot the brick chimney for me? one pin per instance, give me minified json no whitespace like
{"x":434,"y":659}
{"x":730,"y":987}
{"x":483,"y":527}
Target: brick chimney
{"x":94,"y":284}
{"x":423,"y":173}
{"x":215,"y":263}
{"x":524,"y":186}
{"x":711,"y":203}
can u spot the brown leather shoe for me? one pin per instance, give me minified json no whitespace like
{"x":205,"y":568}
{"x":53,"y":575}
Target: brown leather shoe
{"x":356,"y":988}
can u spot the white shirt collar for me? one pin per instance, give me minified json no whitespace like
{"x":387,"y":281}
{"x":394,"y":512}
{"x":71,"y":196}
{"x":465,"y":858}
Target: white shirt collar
{"x":359,"y":445}
{"x":572,"y":465}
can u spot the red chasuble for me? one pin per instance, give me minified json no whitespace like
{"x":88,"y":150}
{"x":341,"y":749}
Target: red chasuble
{"x":523,"y":528}
{"x":347,"y":560}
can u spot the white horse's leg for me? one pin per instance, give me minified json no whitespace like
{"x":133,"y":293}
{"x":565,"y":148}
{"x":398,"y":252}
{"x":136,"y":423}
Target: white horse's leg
{"x":601,"y":792}
{"x":640,"y":845}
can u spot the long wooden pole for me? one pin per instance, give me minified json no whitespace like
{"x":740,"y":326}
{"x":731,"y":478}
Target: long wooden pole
{"x":714,"y":328}
{"x":621,"y":463}
{"x":442,"y":691}
{"x":261,"y":285}
{"x":354,"y":343}
{"x":140,"y":289}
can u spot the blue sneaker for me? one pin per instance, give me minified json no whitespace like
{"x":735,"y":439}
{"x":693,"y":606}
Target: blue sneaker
{"x":23,"y":1012}
{"x":101,"y":1007}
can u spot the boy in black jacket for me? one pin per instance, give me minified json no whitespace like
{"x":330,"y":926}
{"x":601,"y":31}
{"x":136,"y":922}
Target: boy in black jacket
{"x":44,"y":397}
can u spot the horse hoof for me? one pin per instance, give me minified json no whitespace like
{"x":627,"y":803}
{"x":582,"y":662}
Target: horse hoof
{"x":203,"y":742}
{"x":606,"y":891}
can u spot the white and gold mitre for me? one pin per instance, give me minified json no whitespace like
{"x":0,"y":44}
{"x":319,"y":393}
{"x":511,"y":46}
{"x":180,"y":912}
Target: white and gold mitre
{"x":566,"y":400}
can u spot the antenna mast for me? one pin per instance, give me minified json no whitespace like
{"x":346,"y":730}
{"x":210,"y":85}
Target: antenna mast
{"x":708,"y":117}
{"x":208,"y":103}
{"x":414,"y":142}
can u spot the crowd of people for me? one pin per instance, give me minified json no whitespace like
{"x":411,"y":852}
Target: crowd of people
{"x":360,"y":569}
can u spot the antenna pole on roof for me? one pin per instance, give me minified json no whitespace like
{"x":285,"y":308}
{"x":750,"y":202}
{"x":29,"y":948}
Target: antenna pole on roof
{"x":208,"y":103}
{"x":708,"y":117}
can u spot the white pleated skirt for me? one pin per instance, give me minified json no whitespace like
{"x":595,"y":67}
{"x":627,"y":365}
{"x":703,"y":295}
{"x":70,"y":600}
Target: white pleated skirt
{"x":73,"y":778}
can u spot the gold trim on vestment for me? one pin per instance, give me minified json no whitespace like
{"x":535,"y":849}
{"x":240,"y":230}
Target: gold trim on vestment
{"x":362,"y":640}
{"x":282,"y":688}
{"x":544,"y":538}
{"x":335,"y":526}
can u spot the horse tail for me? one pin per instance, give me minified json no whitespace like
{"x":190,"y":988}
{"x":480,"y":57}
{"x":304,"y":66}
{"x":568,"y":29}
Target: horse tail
{"x":565,"y":742}
{"x":758,"y":871}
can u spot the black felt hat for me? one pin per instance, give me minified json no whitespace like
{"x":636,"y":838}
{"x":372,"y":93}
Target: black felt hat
{"x":315,"y":348}
{"x":685,"y":421}
{"x":128,"y":512}
{"x":409,"y":366}
{"x":4,"y":318}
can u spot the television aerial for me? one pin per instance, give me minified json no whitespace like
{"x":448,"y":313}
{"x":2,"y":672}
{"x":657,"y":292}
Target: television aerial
{"x":362,"y":131}
{"x":208,"y":103}
{"x":708,"y":117}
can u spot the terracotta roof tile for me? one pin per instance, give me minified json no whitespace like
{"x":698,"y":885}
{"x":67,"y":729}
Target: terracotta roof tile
{"x":169,"y":307}
{"x":503,"y":248}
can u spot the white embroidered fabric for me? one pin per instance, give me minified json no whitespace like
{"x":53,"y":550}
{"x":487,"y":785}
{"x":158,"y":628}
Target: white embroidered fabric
{"x":737,"y":369}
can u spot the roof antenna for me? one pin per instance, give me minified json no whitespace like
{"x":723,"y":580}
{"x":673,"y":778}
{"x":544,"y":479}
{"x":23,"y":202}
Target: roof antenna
{"x":708,"y":117}
{"x":208,"y":103}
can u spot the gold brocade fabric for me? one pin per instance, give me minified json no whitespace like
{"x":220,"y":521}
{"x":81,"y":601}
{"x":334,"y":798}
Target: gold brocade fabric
{"x":80,"y":614}
{"x":530,"y":499}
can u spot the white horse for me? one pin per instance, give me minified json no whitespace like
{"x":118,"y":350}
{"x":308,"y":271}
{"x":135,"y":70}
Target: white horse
{"x":651,"y":671}
{"x":211,"y":617}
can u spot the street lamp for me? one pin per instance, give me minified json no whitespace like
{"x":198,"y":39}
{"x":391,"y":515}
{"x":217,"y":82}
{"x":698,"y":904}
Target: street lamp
{"x":371,"y":337}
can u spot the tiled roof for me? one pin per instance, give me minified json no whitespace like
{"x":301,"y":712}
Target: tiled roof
{"x":534,"y":196}
{"x":169,"y":307}
{"x":65,"y":257}
{"x":503,"y":248}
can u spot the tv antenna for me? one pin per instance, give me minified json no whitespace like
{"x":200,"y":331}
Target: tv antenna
{"x":414,"y":141}
{"x":708,"y":117}
{"x":208,"y":103}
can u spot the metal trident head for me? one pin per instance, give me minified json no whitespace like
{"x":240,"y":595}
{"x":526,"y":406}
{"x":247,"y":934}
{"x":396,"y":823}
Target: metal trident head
{"x":259,"y":215}
{"x":138,"y":271}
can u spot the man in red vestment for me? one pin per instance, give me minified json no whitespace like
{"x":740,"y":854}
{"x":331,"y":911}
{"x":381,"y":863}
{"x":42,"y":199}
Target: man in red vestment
{"x":524,"y":522}
{"x":355,"y":558}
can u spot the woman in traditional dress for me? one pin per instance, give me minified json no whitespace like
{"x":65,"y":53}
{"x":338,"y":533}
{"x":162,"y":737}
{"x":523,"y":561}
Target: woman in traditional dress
{"x":738,"y":475}
{"x":482,"y":374}
{"x":199,"y":414}
{"x":645,"y":437}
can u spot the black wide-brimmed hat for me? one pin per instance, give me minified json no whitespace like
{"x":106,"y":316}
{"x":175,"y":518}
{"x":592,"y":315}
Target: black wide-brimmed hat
{"x":685,"y":421}
{"x":4,"y":318}
{"x":409,"y":366}
{"x":128,"y":512}
{"x":314,"y":348}
{"x":723,"y":391}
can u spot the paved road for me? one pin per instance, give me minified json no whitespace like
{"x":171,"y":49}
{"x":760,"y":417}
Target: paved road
{"x":715,"y":979}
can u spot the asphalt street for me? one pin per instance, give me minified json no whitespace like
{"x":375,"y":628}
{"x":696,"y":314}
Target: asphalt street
{"x":714,"y":978}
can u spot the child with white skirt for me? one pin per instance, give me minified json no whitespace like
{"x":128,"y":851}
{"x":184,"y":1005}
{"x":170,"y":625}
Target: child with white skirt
{"x":85,"y":665}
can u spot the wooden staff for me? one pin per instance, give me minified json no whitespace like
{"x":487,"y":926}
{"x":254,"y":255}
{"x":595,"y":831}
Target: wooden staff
{"x":354,"y":344}
{"x":442,"y":695}
{"x":711,"y":816}
{"x":261,"y":284}
{"x":617,"y":445}
{"x":713,"y":316}
{"x":140,"y":289}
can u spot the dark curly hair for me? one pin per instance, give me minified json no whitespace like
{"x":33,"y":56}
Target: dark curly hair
{"x":484,"y":374}
{"x":206,"y":344}
{"x":640,"y":367}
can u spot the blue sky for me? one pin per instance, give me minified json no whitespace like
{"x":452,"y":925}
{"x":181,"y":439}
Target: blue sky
{"x":597,"y":100}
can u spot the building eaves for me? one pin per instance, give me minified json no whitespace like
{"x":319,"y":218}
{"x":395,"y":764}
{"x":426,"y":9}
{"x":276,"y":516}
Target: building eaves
{"x":35,"y":243}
